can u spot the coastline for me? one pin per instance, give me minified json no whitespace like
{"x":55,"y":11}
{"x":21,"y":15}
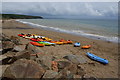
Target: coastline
{"x":96,"y":34}
{"x":105,"y":49}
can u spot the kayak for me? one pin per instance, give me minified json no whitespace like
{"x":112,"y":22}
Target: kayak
{"x":57,"y":42}
{"x":76,"y":44}
{"x":96,"y":58}
{"x":28,"y":37}
{"x":86,"y":47}
{"x":47,"y":44}
{"x":21,"y":34}
{"x":33,"y":39}
{"x":66,"y":42}
{"x":37,"y":44}
{"x":69,"y":42}
{"x":46,"y":39}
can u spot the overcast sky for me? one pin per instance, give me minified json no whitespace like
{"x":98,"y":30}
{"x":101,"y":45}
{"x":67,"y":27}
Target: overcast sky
{"x":63,"y":10}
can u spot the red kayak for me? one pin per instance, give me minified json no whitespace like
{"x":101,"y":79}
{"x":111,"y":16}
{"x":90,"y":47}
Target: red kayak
{"x":33,"y":39}
{"x":21,"y":35}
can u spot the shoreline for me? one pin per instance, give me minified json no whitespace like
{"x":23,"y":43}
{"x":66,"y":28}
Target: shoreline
{"x":104,"y":49}
{"x":73,"y":32}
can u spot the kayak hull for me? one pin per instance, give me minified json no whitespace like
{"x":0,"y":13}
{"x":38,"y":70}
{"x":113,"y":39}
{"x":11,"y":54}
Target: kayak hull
{"x":37,"y":44}
{"x":96,"y":58}
{"x":77,"y":44}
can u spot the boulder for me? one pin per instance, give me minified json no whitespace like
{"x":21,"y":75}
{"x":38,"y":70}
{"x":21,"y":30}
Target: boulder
{"x":79,"y":59}
{"x":50,"y":74}
{"x":33,"y":49}
{"x":68,"y":72}
{"x":24,"y":68}
{"x":19,"y":55}
{"x":7,"y":45}
{"x":15,"y":40}
{"x":63,"y":64}
{"x":19,"y":48}
{"x":80,"y":70}
{"x":3,"y":37}
{"x":45,"y":61}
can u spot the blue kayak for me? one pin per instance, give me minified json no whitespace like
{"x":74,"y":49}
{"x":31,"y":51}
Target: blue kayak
{"x":96,"y":58}
{"x":76,"y":44}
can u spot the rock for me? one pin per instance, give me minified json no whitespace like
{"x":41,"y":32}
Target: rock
{"x":63,"y":64}
{"x":77,"y":76}
{"x":4,"y":37}
{"x":2,"y":57}
{"x":19,"y":55}
{"x":54,"y":66}
{"x":45,"y":61}
{"x":7,"y":46}
{"x":24,"y":69}
{"x":87,"y":77}
{"x":2,"y":69}
{"x":76,"y":59}
{"x":50,"y":74}
{"x":15,"y":40}
{"x":33,"y":49}
{"x":68,"y":72}
{"x":65,"y":74}
{"x":80,"y":70}
{"x":19,"y":48}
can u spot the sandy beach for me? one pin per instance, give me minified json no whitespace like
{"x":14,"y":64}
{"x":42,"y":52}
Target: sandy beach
{"x":104,"y":49}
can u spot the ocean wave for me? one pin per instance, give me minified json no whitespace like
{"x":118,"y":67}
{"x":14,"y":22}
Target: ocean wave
{"x":77,"y":32}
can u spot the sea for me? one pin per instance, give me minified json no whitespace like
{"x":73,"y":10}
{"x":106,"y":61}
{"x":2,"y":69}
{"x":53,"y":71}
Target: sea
{"x":102,"y":29}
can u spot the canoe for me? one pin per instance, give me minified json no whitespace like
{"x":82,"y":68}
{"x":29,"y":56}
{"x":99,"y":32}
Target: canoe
{"x":76,"y":44}
{"x":86,"y":47}
{"x":96,"y":58}
{"x":46,"y":44}
{"x":37,"y":44}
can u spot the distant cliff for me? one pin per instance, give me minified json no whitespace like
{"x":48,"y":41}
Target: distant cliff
{"x":17,"y":16}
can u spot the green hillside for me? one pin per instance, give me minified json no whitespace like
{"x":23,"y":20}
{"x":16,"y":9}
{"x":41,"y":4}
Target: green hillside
{"x":17,"y":16}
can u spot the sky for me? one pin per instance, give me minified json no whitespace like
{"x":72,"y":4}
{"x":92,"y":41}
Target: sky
{"x":63,"y":9}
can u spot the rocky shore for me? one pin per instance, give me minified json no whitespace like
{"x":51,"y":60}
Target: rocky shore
{"x":20,"y":59}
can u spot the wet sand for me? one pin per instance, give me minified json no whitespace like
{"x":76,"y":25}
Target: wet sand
{"x":104,"y":49}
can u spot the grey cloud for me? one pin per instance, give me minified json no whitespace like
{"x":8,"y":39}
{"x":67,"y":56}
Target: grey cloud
{"x":82,"y":9}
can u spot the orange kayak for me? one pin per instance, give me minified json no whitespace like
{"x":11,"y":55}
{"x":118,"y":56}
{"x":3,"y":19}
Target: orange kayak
{"x":37,"y":44}
{"x":66,"y":42}
{"x":57,"y":42}
{"x":86,"y":47}
{"x":69,"y":42}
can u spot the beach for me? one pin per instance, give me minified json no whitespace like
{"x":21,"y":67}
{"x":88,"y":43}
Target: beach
{"x":104,"y":49}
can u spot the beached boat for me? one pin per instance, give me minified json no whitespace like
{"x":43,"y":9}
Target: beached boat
{"x":96,"y":58}
{"x":46,"y":44}
{"x":36,"y":39}
{"x":57,"y":42}
{"x":86,"y":47}
{"x":37,"y":44}
{"x":76,"y":44}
